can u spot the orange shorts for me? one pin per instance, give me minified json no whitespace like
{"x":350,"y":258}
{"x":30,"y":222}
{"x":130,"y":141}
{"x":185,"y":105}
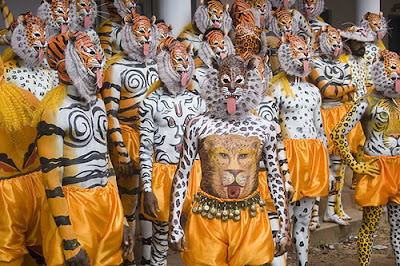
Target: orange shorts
{"x":161,"y":183}
{"x":264,"y":191}
{"x":332,"y":116}
{"x":131,"y":138}
{"x":308,"y":166}
{"x":97,"y":219}
{"x":215,"y":242}
{"x":20,"y":204}
{"x":385,"y":187}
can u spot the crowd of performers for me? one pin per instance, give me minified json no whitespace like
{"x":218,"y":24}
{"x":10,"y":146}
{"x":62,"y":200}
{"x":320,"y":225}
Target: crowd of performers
{"x":103,"y":126}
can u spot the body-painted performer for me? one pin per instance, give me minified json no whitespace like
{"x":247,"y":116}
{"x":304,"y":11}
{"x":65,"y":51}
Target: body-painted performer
{"x":82,"y":14}
{"x":110,"y":30}
{"x":256,"y":12}
{"x":127,"y":81}
{"x":28,"y":43}
{"x":164,"y":114}
{"x":223,"y":227}
{"x":376,"y":26}
{"x":209,"y":14}
{"x":82,"y":196}
{"x":311,"y":10}
{"x":304,"y":137}
{"x":21,"y":185}
{"x":378,"y":179}
{"x":334,"y":80}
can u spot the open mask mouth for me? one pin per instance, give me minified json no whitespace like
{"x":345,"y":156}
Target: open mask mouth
{"x":309,"y":11}
{"x":40,"y":51}
{"x":63,"y":26}
{"x":396,"y":81}
{"x":146,"y":47}
{"x":216,"y":23}
{"x":86,"y":20}
{"x":221,"y":54}
{"x":95,"y":72}
{"x":379,"y":33}
{"x":231,"y":101}
{"x":184,"y":77}
{"x":305,"y":62}
{"x":336,"y":50}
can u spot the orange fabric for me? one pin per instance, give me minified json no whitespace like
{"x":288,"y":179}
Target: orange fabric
{"x":214,"y":242}
{"x":161,"y":183}
{"x":264,"y":191}
{"x":380,"y":189}
{"x":131,"y":138}
{"x":332,"y":116}
{"x":21,"y":199}
{"x":97,"y":218}
{"x":308,"y":166}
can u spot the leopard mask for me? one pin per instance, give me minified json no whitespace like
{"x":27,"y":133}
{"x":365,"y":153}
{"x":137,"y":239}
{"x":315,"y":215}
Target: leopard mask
{"x":375,"y":25}
{"x":28,"y":39}
{"x":385,"y":74}
{"x":233,"y":88}
{"x":212,"y":14}
{"x":294,"y":54}
{"x":55,"y":13}
{"x":175,"y":65}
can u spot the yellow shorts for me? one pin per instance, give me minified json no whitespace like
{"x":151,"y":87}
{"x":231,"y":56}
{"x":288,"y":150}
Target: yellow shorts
{"x":332,"y":116}
{"x":215,"y":242}
{"x":161,"y":183}
{"x":21,"y":200}
{"x":97,"y":219}
{"x":385,"y":187}
{"x":308,"y":166}
{"x":264,"y":191}
{"x":131,"y":139}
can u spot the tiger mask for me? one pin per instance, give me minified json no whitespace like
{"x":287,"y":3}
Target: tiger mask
{"x":55,"y":13}
{"x":139,"y":37}
{"x":125,"y":7}
{"x":251,"y":11}
{"x":283,"y":3}
{"x":329,"y":42}
{"x":233,"y":87}
{"x":175,"y":65}
{"x":375,"y":25}
{"x":282,"y":22}
{"x":163,"y":29}
{"x":212,"y":14}
{"x":215,"y":44}
{"x":28,"y":39}
{"x":385,"y":73}
{"x":311,"y":9}
{"x":83,"y":14}
{"x":294,"y":54}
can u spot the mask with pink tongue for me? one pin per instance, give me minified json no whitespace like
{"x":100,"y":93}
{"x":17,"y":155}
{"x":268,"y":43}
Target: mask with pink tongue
{"x":217,"y":24}
{"x":308,"y":11}
{"x":64,"y":27}
{"x":86,"y":22}
{"x":231,"y":105}
{"x":306,"y":65}
{"x":397,"y":82}
{"x":146,"y":48}
{"x":99,"y":78}
{"x":184,"y":78}
{"x":41,"y":54}
{"x":336,"y":52}
{"x":379,"y":35}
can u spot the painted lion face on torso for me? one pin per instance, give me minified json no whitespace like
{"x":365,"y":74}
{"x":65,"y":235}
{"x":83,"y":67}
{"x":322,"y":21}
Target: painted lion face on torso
{"x":294,"y":56}
{"x":375,"y":24}
{"x":29,"y":39}
{"x":231,"y":165}
{"x":385,"y":74}
{"x":329,"y":41}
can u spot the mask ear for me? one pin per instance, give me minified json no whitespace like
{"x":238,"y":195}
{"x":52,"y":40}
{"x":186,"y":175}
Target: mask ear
{"x":202,"y":2}
{"x":189,"y":49}
{"x":380,"y":13}
{"x":71,"y":36}
{"x":214,"y":63}
{"x":293,"y":12}
{"x":226,"y":6}
{"x":285,"y":38}
{"x":308,"y":41}
{"x":253,"y":63}
{"x":153,"y":20}
{"x":127,"y":19}
{"x":366,"y":15}
{"x":170,"y":27}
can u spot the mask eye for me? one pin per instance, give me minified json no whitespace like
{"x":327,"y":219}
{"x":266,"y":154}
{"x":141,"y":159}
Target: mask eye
{"x":224,"y":155}
{"x":239,"y":80}
{"x":243,"y":156}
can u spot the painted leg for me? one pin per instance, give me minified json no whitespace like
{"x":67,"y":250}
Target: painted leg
{"x":129,"y":191}
{"x":314,"y":223}
{"x":301,"y":213}
{"x":371,"y":218}
{"x":146,"y":229}
{"x":330,"y":214}
{"x":394,"y":221}
{"x":159,"y":244}
{"x":339,"y":206}
{"x":273,"y":218}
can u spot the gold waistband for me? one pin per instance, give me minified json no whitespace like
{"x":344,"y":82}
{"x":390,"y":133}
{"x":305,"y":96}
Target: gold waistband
{"x":211,"y":207}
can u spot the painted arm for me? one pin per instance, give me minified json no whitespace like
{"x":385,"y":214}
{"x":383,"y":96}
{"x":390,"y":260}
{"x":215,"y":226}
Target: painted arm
{"x":180,"y":184}
{"x":106,"y":35}
{"x":338,"y":135}
{"x":50,"y":140}
{"x":277,"y":189}
{"x":111,"y":93}
{"x":329,"y":90}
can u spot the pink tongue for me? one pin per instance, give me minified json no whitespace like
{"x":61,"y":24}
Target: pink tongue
{"x":184,"y":78}
{"x":133,"y":11}
{"x":397,"y":85}
{"x":305,"y":65}
{"x":222,"y":55}
{"x":146,"y":48}
{"x":233,"y":192}
{"x":86,"y":23}
{"x":364,"y":33}
{"x":99,"y":79}
{"x":231,"y":107}
{"x":308,"y":12}
{"x":262,"y":18}
{"x":217,"y":24}
{"x":285,"y":3}
{"x":63,"y":28}
{"x":41,"y":54}
{"x":337,"y":49}
{"x":379,"y":35}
